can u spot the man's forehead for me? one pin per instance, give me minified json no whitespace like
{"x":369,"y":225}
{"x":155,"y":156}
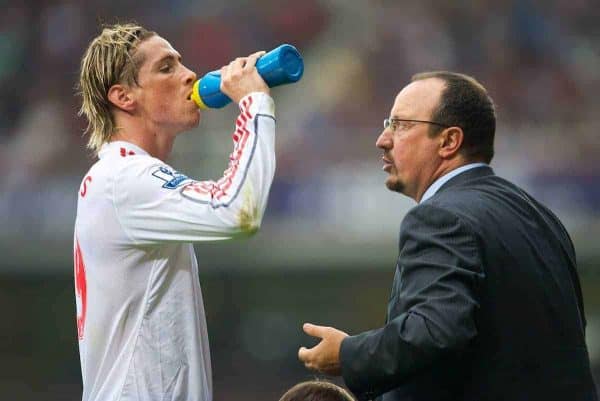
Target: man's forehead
{"x":418,"y":99}
{"x":156,"y":48}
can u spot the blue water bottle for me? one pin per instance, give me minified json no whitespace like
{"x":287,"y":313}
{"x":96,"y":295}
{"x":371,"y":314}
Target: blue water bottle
{"x":281,"y":65}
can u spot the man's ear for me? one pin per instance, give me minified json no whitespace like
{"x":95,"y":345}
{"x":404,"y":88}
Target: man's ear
{"x":121,"y":97}
{"x":450,"y":140}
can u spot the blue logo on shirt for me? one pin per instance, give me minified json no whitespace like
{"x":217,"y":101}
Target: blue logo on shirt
{"x":172,"y":179}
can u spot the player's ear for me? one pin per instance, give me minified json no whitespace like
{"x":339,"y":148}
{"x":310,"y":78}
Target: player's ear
{"x":451,"y":140}
{"x":121,"y":97}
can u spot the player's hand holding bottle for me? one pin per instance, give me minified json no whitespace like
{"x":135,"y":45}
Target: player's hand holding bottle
{"x":241,"y":77}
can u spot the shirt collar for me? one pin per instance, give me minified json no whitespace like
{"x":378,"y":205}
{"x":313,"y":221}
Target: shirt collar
{"x":437,"y":184}
{"x":121,"y":147}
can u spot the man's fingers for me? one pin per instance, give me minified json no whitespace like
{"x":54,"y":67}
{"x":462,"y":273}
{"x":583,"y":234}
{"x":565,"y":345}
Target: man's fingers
{"x":323,"y":357}
{"x":236,"y":65}
{"x":306,"y":357}
{"x":251,"y":59}
{"x":314,"y":330}
{"x":303,"y":354}
{"x":256,"y":55}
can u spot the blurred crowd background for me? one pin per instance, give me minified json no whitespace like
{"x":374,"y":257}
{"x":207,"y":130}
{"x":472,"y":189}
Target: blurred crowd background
{"x":327,"y":249}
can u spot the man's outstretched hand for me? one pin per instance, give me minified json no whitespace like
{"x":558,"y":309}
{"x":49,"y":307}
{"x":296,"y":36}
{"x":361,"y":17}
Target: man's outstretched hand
{"x":325,"y":356}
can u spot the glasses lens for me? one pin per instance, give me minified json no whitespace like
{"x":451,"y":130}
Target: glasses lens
{"x":386,"y":123}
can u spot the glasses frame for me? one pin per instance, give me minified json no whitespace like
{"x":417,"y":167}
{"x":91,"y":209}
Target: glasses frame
{"x":388,"y":122}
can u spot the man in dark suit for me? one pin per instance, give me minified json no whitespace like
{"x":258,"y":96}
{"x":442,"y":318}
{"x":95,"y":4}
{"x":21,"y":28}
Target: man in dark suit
{"x":486,"y":302}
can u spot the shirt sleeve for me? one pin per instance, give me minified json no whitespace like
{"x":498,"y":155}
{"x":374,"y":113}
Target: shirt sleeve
{"x":155,"y":203}
{"x":433,"y":304}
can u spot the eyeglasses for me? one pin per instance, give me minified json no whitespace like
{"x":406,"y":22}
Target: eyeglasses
{"x":394,"y":123}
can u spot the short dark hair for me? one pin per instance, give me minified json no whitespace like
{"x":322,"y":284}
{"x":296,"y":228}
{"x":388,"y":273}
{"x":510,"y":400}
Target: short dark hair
{"x":316,"y":390}
{"x":465,"y":103}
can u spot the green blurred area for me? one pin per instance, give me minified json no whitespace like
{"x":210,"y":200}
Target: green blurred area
{"x":254,"y":321}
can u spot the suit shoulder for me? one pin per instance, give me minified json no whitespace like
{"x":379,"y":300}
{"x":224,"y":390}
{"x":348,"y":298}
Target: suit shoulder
{"x":467,"y":205}
{"x":493,"y":201}
{"x":434,"y":216}
{"x":477,"y":195}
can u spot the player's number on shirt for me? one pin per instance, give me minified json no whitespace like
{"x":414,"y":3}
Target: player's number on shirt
{"x":86,"y":181}
{"x":80,"y":289}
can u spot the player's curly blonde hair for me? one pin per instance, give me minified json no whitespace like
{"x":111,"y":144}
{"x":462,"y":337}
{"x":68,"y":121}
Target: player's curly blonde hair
{"x":109,"y":59}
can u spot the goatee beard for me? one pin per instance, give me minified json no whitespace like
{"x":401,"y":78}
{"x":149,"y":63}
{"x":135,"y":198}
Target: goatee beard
{"x":394,"y":185}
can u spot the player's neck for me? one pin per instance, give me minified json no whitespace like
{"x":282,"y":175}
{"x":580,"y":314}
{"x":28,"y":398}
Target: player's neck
{"x":157,"y":143}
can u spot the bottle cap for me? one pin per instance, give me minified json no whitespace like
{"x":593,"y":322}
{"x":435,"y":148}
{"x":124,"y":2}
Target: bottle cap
{"x":196,"y":96}
{"x":291,"y":62}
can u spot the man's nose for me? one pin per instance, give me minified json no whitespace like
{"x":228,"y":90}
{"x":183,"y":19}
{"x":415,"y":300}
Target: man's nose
{"x":383,"y":141}
{"x":190,"y":76}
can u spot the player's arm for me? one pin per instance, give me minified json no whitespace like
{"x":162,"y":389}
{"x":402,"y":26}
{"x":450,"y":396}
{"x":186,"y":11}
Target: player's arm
{"x":156,"y":204}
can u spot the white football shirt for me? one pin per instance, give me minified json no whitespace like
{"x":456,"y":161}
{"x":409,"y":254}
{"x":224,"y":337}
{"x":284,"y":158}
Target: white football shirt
{"x":140,"y":317}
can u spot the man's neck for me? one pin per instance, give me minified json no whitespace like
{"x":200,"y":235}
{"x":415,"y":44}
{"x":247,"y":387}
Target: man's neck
{"x":445,"y":174}
{"x":157,"y":144}
{"x":444,"y":168}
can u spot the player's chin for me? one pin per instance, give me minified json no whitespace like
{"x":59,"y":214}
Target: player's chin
{"x":194,"y":119}
{"x":189,"y":126}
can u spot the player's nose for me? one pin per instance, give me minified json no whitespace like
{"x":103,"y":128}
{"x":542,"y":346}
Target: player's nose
{"x":189,"y":76}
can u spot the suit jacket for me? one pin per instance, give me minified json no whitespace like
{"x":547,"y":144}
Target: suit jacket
{"x":485,"y":305}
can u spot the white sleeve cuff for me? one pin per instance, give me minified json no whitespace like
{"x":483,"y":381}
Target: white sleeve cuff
{"x":259,"y":103}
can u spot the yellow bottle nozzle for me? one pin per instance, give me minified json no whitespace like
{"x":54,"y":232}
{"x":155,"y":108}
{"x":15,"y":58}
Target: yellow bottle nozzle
{"x":196,"y":96}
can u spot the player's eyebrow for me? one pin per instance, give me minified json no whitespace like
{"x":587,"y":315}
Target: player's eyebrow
{"x":169,"y":57}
